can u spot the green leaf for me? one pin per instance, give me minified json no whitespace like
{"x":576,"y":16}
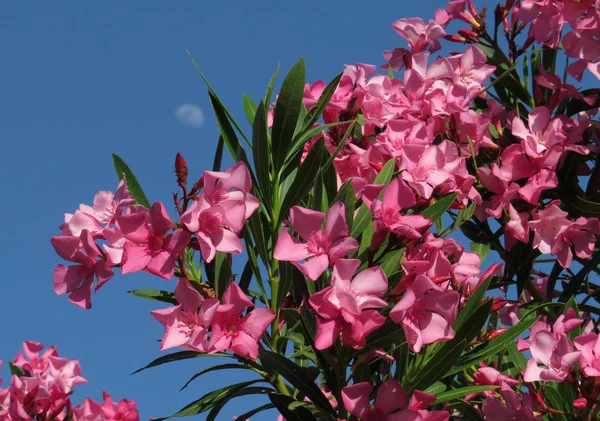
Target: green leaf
{"x":436,"y":388}
{"x":218,"y":155}
{"x":391,"y":264}
{"x":481,"y":249}
{"x":462,"y":392}
{"x":244,"y":282}
{"x":177,"y":356}
{"x":260,"y":152}
{"x":211,"y":399}
{"x":436,"y":368}
{"x":386,"y":173}
{"x":346,"y":195}
{"x":304,"y":179}
{"x":437,"y":210}
{"x":517,"y":358}
{"x":317,"y":110}
{"x":464,"y":215}
{"x":576,"y":281}
{"x":472,"y":304}
{"x":133,"y":185}
{"x":213,"y":93}
{"x":492,"y":347}
{"x":249,"y":108}
{"x":254,"y":390}
{"x":215,"y":368}
{"x":155,"y":294}
{"x":246,"y":416}
{"x":283,"y":402}
{"x":269,"y":93}
{"x":387,"y":335}
{"x":297,"y":376}
{"x":577,"y":105}
{"x":287,"y":111}
{"x":223,"y":275}
{"x":15,"y":370}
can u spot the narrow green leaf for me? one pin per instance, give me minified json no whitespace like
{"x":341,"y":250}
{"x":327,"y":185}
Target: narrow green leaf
{"x":436,"y":388}
{"x":346,"y":195}
{"x":177,"y":356}
{"x":481,"y":249}
{"x":462,"y":392}
{"x":15,"y":370}
{"x":473,"y":303}
{"x":517,"y":358}
{"x":218,"y":155}
{"x":437,"y":210}
{"x":133,"y":185}
{"x":215,"y":368}
{"x":287,"y":111}
{"x":494,"y":346}
{"x":282,"y":403}
{"x":249,"y":108}
{"x":315,"y":113}
{"x":211,"y":399}
{"x":246,"y":277}
{"x":297,"y":376}
{"x":253,"y":390}
{"x":260,"y":152}
{"x":304,"y":179}
{"x":269,"y":93}
{"x":436,"y":369}
{"x":155,"y":294}
{"x":246,"y":416}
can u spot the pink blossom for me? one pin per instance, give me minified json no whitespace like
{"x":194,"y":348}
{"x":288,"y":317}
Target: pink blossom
{"x":91,"y":410}
{"x":589,"y":358}
{"x":420,"y":37}
{"x":552,"y":348}
{"x":509,"y":406}
{"x":234,"y":184}
{"x":557,"y":235}
{"x":148,"y":246}
{"x":235,"y":334}
{"x":490,"y":376}
{"x":215,"y":226}
{"x":541,"y":134}
{"x":397,"y":197}
{"x":426,"y":313}
{"x":323,"y":247}
{"x":391,"y":403}
{"x":347,"y":305}
{"x":187,"y":324}
{"x":78,"y":280}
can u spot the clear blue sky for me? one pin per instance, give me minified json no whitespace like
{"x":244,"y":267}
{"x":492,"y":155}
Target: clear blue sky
{"x":83,"y":79}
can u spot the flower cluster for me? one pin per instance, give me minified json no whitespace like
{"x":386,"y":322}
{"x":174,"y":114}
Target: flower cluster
{"x":42,"y":384}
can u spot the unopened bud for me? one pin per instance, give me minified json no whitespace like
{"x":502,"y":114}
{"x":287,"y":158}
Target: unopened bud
{"x":181,"y":170}
{"x":467,"y":33}
{"x":537,"y":398}
{"x":580,"y":403}
{"x":197,"y":185}
{"x":455,"y":38}
{"x":472,"y":7}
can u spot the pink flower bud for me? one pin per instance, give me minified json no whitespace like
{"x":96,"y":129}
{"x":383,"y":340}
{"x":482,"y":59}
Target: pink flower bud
{"x":580,"y":403}
{"x":181,"y":170}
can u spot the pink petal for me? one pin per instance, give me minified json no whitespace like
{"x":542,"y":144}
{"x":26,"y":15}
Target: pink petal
{"x":177,"y":242}
{"x":67,"y":278}
{"x":235,"y":296}
{"x":82,"y":296}
{"x":161,"y":222}
{"x":305,"y":221}
{"x":135,"y":258}
{"x":391,"y":397}
{"x":162,"y":265}
{"x":371,"y":281}
{"x":188,"y":296}
{"x":226,"y":241}
{"x":257,"y":321}
{"x":341,"y":248}
{"x":335,"y":224}
{"x":314,"y":267}
{"x":356,"y":399}
{"x":134,"y":227}
{"x":290,"y":249}
{"x":327,"y":333}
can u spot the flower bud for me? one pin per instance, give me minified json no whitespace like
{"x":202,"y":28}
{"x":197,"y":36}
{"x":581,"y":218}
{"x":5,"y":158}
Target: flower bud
{"x":580,"y":403}
{"x":181,"y":170}
{"x":467,"y":33}
{"x":455,"y":38}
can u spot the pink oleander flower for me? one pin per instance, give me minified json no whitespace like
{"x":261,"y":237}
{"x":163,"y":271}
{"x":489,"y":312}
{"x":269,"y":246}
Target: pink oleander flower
{"x":30,"y":361}
{"x":234,"y":184}
{"x":490,"y":376}
{"x":339,"y":100}
{"x":326,"y":237}
{"x":557,"y":235}
{"x":471,"y":70}
{"x":397,"y":197}
{"x":77,"y":280}
{"x":552,"y":348}
{"x":91,"y":410}
{"x":148,"y":246}
{"x":420,"y":36}
{"x":232,"y":333}
{"x":215,"y":226}
{"x":347,"y":305}
{"x":589,"y":359}
{"x":509,"y":406}
{"x":426,"y":313}
{"x":187,"y":324}
{"x":391,"y":403}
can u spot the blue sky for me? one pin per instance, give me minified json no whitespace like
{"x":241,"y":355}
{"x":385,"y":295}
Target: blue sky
{"x":84,"y":79}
